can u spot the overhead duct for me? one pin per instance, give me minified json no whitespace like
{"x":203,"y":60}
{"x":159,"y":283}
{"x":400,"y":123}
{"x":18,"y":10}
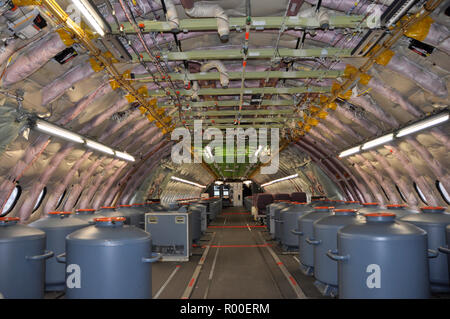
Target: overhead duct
{"x":33,"y":59}
{"x":55,"y":89}
{"x":208,"y":10}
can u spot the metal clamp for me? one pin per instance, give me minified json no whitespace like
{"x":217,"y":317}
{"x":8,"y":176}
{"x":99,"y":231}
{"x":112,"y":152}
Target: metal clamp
{"x":155,"y":257}
{"x":47,"y":254}
{"x":278,"y":221}
{"x":333,"y":255}
{"x":61,"y":258}
{"x":444,"y":250}
{"x":297,"y":232}
{"x":432,"y":253}
{"x":312,"y":241}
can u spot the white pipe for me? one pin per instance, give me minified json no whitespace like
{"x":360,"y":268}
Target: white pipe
{"x":208,"y":10}
{"x":223,"y":76}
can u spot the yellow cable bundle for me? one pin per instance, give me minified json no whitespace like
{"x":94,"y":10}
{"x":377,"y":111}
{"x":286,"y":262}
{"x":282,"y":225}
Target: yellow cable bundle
{"x":385,"y":57}
{"x":420,"y":29}
{"x":66,"y":36}
{"x":364,"y":78}
{"x":322,"y":114}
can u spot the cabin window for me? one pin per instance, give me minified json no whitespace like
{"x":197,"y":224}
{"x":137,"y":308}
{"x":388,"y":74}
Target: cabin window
{"x":40,"y":199}
{"x":401,"y":194}
{"x":443,"y":192}
{"x":385,"y":194}
{"x":419,"y":192}
{"x":78,"y":199}
{"x":12,"y":201}
{"x":61,"y":198}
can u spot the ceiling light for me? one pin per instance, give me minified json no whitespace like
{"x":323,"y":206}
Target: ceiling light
{"x":431,"y":121}
{"x":350,"y":151}
{"x":91,"y":15}
{"x":124,"y":156}
{"x":378,"y":141}
{"x":280,"y":180}
{"x":186,"y":182}
{"x":99,"y":147}
{"x":57,"y":131}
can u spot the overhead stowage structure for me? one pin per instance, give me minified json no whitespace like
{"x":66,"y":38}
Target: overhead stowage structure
{"x":238,"y":23}
{"x":234,"y":103}
{"x":208,"y":76}
{"x":251,"y":91}
{"x":237,"y":54}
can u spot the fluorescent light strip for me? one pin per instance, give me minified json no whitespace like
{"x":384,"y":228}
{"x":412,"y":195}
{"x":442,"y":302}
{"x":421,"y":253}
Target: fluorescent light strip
{"x":57,"y":131}
{"x":350,"y":151}
{"x":124,"y":156}
{"x":434,"y":120}
{"x":92,"y":17}
{"x":378,"y":141}
{"x":280,"y":180}
{"x":186,"y":182}
{"x":99,"y":147}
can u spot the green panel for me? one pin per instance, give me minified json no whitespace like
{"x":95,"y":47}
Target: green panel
{"x":235,"y":112}
{"x":238,"y":23}
{"x":247,"y":120}
{"x":235,"y":103}
{"x":207,"y":76}
{"x":230,"y":54}
{"x":247,"y":91}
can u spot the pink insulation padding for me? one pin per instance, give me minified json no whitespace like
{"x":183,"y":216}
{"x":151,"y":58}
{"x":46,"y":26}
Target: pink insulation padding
{"x":33,"y":59}
{"x":57,"y":87}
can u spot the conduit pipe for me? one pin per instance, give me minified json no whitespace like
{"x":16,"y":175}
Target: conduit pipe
{"x":33,"y":59}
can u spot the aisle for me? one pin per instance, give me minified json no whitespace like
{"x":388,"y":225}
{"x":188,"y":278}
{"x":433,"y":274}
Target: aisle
{"x":235,"y":260}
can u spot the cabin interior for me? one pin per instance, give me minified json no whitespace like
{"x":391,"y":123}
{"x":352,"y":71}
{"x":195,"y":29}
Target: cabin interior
{"x":109,"y":105}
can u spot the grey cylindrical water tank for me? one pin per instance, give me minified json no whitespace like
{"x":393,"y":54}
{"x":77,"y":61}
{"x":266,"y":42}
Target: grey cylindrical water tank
{"x":22,"y":260}
{"x":133,"y":214}
{"x":446,"y":249}
{"x":274,"y":214}
{"x":382,"y":258}
{"x":305,"y":232}
{"x":399,"y":210}
{"x":434,"y":220}
{"x":324,"y":239}
{"x":351,"y":204}
{"x":87,"y":214}
{"x":369,"y":208}
{"x":109,"y":260}
{"x":289,"y":217}
{"x":57,"y":225}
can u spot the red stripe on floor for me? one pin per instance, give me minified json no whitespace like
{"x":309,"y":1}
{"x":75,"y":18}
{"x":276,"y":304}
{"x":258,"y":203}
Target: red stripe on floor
{"x":279,"y":263}
{"x":245,"y":226}
{"x":238,"y":246}
{"x":191,"y":282}
{"x":293,"y":280}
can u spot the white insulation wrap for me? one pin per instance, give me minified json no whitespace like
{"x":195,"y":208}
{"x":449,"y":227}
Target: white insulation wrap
{"x":207,"y":10}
